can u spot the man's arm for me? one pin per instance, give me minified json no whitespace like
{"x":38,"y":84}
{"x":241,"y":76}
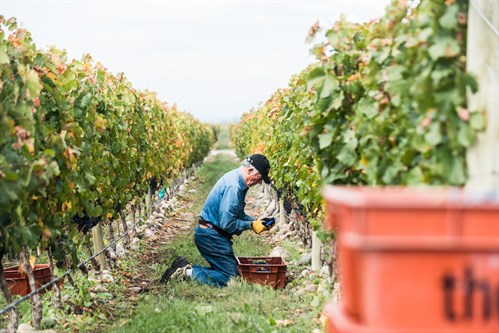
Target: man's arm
{"x":231,"y":206}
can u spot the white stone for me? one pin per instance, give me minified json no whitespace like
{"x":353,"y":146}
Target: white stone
{"x":304,"y":273}
{"x":279,"y":251}
{"x":120,"y":250}
{"x":135,"y":289}
{"x":311,"y":288}
{"x":305,"y":259}
{"x":99,"y":289}
{"x":25,"y":328}
{"x":325,"y":270}
{"x":107,"y":278}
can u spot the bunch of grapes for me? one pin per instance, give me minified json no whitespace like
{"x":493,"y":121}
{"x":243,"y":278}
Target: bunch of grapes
{"x":86,"y":223}
{"x":287,"y":205}
{"x":153,"y":184}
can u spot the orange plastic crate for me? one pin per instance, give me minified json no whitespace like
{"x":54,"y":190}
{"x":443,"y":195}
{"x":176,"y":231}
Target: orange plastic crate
{"x":417,"y":259}
{"x":18,"y":282}
{"x":263,"y":270}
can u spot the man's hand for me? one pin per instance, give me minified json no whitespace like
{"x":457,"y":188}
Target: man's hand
{"x":258,"y":226}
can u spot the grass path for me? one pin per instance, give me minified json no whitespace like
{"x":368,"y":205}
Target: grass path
{"x":186,"y":306}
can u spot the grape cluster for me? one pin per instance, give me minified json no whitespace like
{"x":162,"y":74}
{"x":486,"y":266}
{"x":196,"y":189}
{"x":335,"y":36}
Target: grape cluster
{"x":117,"y":209}
{"x":86,"y":223}
{"x":153,"y":184}
{"x":287,"y":205}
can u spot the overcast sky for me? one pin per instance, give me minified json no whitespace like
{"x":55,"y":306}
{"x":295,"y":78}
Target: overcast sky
{"x":214,"y":59}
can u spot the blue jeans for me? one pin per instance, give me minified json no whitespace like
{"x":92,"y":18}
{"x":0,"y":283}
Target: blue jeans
{"x":217,"y":251}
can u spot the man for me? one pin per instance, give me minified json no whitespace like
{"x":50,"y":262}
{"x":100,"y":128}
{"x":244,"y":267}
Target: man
{"x":222,"y":217}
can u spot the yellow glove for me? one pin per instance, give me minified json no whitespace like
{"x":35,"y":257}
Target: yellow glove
{"x":258,"y":226}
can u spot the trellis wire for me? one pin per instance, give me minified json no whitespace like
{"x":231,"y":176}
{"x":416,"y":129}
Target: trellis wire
{"x":54,"y":281}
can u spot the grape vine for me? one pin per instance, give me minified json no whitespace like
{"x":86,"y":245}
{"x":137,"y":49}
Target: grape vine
{"x":385,"y":104}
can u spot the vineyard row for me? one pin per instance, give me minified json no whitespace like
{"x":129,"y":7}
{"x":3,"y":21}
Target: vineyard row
{"x":385,"y":104}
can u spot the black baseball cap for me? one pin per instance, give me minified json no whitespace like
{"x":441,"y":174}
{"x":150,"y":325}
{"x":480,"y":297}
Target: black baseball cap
{"x":261,"y":163}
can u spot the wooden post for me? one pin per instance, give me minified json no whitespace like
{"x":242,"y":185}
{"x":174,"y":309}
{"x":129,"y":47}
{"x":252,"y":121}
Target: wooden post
{"x":483,"y":63}
{"x":57,"y":291}
{"x":126,"y":239}
{"x":148,"y":202}
{"x":36,"y":313}
{"x":98,"y":241}
{"x":316,"y":252}
{"x":282,"y":212}
{"x":111,"y":235}
{"x":13,"y":317}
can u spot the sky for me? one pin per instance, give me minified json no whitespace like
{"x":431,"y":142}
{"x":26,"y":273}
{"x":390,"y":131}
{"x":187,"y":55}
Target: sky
{"x":214,"y":59}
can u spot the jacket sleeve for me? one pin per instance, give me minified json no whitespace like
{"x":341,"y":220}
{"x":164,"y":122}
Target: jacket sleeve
{"x":231,"y":208}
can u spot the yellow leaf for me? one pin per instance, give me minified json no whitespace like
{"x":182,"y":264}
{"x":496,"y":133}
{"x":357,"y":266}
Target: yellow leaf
{"x":46,"y":233}
{"x":51,"y":75}
{"x":100,"y":123}
{"x":32,"y":260}
{"x":66,"y":206}
{"x":21,"y":269}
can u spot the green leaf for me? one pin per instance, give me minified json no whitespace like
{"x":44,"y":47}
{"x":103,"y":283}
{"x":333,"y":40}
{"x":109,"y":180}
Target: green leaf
{"x":449,"y":19}
{"x":444,"y":47}
{"x":457,"y":175}
{"x":433,"y":137}
{"x":394,"y":73}
{"x":347,"y":156}
{"x":90,"y":178}
{"x":367,"y":107}
{"x":325,"y":140}
{"x":415,"y":176}
{"x":477,"y":121}
{"x":350,"y":139}
{"x":470,"y":81}
{"x":330,"y":85}
{"x":34,"y":85}
{"x":338,"y":101}
{"x":4,"y":58}
{"x":466,"y":135}
{"x":316,"y":78}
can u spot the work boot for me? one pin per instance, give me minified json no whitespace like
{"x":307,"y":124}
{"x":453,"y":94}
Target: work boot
{"x":180,"y":273}
{"x":177,"y":268}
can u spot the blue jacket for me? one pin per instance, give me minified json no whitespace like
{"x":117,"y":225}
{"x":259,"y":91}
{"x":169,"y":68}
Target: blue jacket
{"x":224,"y":206}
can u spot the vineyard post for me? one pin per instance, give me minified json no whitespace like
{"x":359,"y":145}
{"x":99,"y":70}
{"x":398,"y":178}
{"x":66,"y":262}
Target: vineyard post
{"x":481,"y":60}
{"x":98,"y":241}
{"x":148,"y":201}
{"x":316,"y":252}
{"x":57,"y":291}
{"x":13,"y":318}
{"x":282,"y":212}
{"x":111,"y":235}
{"x":36,"y":313}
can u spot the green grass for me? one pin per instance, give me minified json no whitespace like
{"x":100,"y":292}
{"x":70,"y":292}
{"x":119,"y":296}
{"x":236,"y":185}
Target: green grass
{"x":183,"y":306}
{"x":187,"y":306}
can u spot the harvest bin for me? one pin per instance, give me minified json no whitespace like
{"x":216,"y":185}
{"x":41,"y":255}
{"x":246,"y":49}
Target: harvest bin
{"x":415,"y":260}
{"x":18,"y":282}
{"x":263,"y":270}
